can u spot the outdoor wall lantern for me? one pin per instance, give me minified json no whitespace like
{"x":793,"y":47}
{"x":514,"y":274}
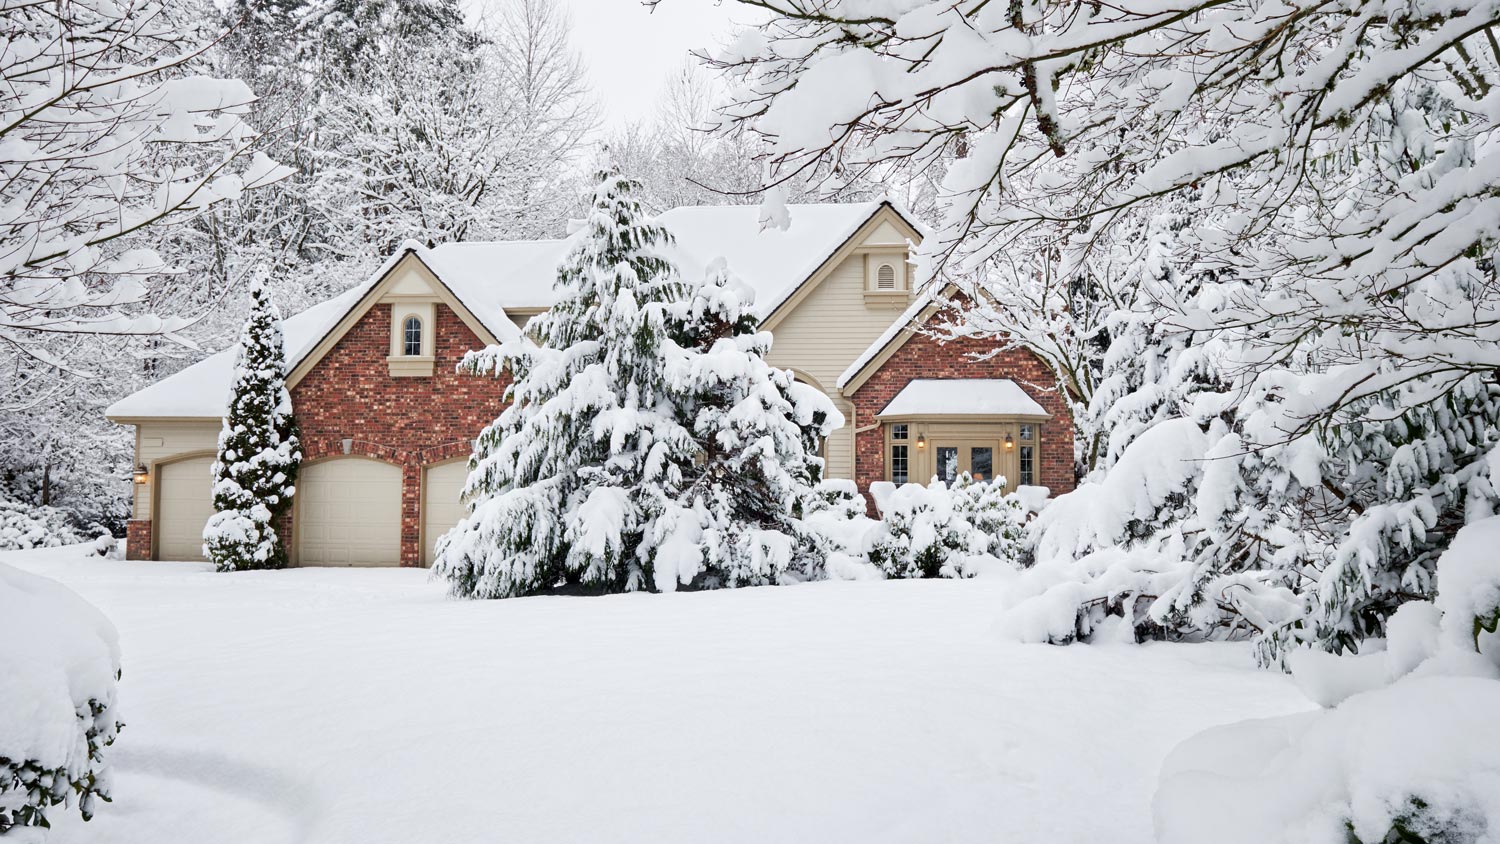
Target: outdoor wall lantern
{"x":140,"y":475}
{"x":921,"y":440}
{"x":1010,"y":442}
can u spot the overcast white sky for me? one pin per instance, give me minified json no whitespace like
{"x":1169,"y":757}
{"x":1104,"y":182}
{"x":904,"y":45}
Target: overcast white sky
{"x":631,"y":50}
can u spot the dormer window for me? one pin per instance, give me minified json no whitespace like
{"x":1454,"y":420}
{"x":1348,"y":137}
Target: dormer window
{"x":411,"y":337}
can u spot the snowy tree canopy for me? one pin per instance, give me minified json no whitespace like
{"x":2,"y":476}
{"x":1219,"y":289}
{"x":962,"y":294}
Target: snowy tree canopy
{"x":105,"y":130}
{"x":1280,"y":220}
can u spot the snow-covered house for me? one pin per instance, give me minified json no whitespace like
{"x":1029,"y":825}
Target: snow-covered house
{"x":387,"y":423}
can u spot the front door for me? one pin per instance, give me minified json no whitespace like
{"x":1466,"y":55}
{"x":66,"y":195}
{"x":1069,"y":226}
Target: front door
{"x":955,"y":457}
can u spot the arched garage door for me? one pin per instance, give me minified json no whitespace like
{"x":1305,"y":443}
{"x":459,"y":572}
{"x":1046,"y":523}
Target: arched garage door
{"x":184,"y":502}
{"x":349,"y":513}
{"x":441,"y":504}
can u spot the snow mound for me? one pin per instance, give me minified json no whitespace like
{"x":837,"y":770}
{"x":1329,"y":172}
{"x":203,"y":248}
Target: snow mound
{"x":59,"y":660}
{"x":1469,"y":583}
{"x":1357,"y":773}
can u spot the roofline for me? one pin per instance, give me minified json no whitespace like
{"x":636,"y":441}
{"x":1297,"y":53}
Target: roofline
{"x":851,"y":384}
{"x":142,"y":420}
{"x":961,"y":417}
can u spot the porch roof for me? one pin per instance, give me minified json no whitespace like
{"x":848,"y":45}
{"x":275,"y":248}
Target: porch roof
{"x":962,"y":397}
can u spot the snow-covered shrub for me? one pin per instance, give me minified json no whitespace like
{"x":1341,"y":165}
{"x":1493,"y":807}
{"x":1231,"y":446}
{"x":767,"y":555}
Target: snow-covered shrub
{"x":108,"y":547}
{"x":1404,"y":752}
{"x":998,"y":517}
{"x":59,"y":663}
{"x":937,"y":531}
{"x":647,"y":444}
{"x":24,"y":526}
{"x":834,"y":513}
{"x":259,"y":451}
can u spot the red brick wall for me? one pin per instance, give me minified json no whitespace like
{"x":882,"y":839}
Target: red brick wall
{"x":411,"y":422}
{"x":138,"y":539}
{"x":924,"y":357}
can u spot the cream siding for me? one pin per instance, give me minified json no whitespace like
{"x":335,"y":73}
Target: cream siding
{"x":164,"y":441}
{"x":823,"y":335}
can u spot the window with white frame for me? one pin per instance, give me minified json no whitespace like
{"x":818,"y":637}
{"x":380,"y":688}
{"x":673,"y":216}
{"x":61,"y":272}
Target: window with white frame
{"x":411,"y":336}
{"x":900,"y":455}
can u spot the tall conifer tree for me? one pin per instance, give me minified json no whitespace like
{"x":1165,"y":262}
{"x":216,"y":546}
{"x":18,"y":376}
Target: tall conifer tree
{"x":259,"y":452}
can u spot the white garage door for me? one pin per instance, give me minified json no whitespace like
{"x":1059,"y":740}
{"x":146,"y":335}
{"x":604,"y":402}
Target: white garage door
{"x":183,"y":504}
{"x":442,"y":509}
{"x":349,"y":513}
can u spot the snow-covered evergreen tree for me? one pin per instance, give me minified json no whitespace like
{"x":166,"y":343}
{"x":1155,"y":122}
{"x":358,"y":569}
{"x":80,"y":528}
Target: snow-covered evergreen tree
{"x":756,"y":431}
{"x":647,"y":444}
{"x":256,"y":469}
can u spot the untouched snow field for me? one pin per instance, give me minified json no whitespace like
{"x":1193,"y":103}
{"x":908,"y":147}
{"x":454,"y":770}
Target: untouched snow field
{"x":323,"y":705}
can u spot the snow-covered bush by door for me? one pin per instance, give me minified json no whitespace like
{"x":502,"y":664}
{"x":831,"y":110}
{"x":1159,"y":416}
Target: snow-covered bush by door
{"x":1406,"y":750}
{"x":937,"y":531}
{"x":259,"y":452}
{"x":647,"y":444}
{"x":59,"y":664}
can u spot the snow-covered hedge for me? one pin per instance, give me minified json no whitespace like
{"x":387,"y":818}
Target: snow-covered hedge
{"x":59,"y":663}
{"x":1407,"y":750}
{"x":941,"y":531}
{"x":923,"y":531}
{"x":24,"y":526}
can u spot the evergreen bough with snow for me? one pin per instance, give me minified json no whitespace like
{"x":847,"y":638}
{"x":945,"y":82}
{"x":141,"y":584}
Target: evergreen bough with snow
{"x":259,"y":451}
{"x":60,"y":660}
{"x":647,"y":444}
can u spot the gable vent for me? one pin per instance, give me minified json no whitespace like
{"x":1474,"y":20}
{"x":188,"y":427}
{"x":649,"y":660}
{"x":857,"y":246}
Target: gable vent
{"x":885,"y":277}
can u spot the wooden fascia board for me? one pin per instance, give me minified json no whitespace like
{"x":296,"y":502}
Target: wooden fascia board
{"x":940,"y":418}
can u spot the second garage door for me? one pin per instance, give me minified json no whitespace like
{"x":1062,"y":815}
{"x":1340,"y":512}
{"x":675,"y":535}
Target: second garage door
{"x":441,"y":507}
{"x":183,"y":505}
{"x":349,"y":513}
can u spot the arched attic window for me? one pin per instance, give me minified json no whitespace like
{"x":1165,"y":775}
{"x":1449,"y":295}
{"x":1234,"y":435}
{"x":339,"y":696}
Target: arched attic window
{"x":411,"y":336}
{"x":885,"y":277}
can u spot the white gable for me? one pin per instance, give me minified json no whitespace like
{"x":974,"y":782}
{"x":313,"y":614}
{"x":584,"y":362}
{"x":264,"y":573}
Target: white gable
{"x":885,"y":234}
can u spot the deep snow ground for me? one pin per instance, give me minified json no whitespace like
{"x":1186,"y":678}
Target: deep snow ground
{"x":325,"y":706}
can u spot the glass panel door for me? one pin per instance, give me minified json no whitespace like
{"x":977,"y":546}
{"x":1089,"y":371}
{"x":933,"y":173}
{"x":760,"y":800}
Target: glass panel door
{"x":947,"y":463}
{"x":982,"y":462}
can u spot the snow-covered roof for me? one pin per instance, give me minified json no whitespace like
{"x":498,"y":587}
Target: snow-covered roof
{"x":501,"y":274}
{"x":962,"y":397}
{"x":491,"y":277}
{"x":202,"y":390}
{"x":773,"y":262}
